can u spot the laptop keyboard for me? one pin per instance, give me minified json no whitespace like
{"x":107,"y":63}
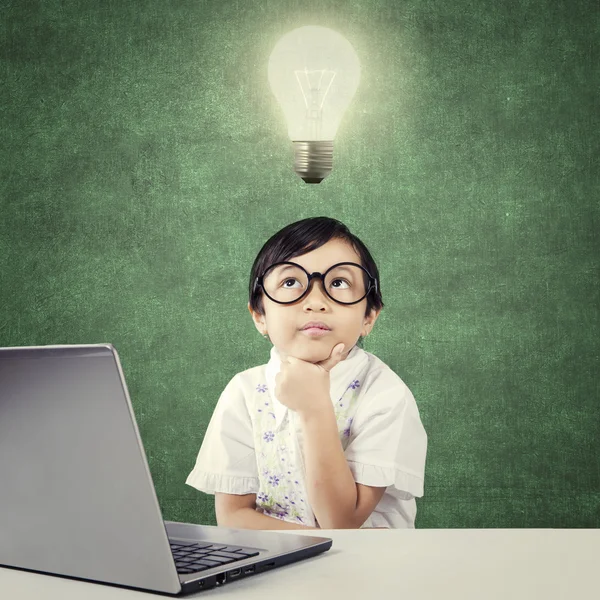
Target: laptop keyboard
{"x":192,"y":557}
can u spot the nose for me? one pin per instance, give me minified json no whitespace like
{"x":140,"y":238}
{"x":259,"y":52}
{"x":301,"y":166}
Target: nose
{"x":318,"y":298}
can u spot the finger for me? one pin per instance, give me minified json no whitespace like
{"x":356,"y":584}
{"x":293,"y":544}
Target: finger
{"x":334,"y":358}
{"x":292,"y":360}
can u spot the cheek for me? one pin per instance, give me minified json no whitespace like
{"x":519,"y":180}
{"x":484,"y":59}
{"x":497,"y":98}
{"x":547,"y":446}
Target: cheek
{"x":355,"y":321}
{"x":277,"y":318}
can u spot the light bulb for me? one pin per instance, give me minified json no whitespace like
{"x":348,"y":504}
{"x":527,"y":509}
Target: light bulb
{"x":313,"y":73}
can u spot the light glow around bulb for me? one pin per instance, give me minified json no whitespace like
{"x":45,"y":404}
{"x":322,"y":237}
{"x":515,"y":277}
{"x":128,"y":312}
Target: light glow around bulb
{"x":314,"y":74}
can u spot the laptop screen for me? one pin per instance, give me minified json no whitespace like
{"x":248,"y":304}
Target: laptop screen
{"x":76,"y":496}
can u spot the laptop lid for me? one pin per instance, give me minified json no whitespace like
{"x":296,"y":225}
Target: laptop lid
{"x":76,"y":494}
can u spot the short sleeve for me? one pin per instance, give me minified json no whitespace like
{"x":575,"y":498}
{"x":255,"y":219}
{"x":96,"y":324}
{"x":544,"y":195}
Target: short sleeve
{"x":226,"y":462}
{"x":388,"y":443}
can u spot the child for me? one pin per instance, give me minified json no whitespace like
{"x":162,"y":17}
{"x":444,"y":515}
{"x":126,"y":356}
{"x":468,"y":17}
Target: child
{"x":325,"y":435}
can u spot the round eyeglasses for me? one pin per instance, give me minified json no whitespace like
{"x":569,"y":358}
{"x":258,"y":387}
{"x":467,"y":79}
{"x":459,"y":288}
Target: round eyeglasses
{"x":345,"y":282}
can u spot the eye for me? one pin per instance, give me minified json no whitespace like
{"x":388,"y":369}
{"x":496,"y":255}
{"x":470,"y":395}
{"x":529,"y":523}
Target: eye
{"x":339,"y":279}
{"x":288,"y":279}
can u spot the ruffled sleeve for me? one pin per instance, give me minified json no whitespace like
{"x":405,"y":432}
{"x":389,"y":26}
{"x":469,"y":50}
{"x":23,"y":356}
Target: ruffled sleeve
{"x":388,"y":443}
{"x":226,"y":462}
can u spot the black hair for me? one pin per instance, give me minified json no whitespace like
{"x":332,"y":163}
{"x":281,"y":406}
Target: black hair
{"x":302,"y":237}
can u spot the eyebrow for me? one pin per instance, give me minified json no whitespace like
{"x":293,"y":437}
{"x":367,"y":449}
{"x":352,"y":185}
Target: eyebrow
{"x":288,"y":267}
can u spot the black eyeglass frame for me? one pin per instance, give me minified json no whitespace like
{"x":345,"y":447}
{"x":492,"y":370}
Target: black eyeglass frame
{"x":258,"y":282}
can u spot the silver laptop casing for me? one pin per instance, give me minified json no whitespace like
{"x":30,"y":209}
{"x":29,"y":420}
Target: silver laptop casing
{"x":76,"y":493}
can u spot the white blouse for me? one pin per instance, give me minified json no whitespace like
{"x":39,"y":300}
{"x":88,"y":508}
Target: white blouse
{"x":253,"y":443}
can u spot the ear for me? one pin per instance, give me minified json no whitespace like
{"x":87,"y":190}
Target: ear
{"x":259,"y":320}
{"x":369,"y":322}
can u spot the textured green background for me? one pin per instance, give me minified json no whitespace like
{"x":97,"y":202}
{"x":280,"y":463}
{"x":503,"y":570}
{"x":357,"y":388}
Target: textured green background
{"x":143,"y":163}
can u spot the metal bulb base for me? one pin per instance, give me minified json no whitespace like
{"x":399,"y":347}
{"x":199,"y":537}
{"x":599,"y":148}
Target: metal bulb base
{"x":313,"y":160}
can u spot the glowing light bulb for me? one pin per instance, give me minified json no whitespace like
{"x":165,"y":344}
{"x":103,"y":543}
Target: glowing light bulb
{"x":314,"y":73}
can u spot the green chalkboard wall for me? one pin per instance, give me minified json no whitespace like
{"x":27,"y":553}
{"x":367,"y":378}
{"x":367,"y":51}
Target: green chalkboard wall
{"x":144,"y":162}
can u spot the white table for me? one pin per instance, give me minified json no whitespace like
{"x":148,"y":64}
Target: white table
{"x":478,"y":564}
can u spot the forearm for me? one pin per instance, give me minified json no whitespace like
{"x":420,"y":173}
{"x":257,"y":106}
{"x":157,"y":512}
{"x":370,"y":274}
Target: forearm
{"x":330,"y":483}
{"x":249,"y":518}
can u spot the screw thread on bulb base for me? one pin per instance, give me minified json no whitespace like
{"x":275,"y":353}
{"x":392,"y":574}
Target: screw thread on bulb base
{"x":313,"y":160}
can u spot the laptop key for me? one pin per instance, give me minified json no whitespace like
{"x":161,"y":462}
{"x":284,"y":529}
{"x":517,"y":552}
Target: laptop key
{"x":247,"y":554}
{"x":196,"y":567}
{"x":223,"y":560}
{"x":231,"y":555}
{"x":182,"y":544}
{"x":230,"y":548}
{"x":207,"y":564}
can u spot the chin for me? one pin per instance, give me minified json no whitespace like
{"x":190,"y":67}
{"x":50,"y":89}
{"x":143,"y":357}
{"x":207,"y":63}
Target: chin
{"x":314,"y":355}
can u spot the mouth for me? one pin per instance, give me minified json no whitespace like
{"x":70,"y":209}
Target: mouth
{"x":315,"y":331}
{"x":315,"y":328}
{"x":316,"y":325}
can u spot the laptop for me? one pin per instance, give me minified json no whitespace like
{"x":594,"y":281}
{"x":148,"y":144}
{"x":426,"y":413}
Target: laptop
{"x":76,"y":494}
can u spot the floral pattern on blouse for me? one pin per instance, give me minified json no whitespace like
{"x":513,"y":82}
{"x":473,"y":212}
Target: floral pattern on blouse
{"x":282,"y":492}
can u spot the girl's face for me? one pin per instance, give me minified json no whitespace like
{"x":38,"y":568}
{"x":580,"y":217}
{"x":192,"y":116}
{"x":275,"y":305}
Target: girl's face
{"x":283,"y":323}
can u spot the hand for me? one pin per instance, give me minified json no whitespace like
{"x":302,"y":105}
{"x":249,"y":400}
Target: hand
{"x":304,"y":386}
